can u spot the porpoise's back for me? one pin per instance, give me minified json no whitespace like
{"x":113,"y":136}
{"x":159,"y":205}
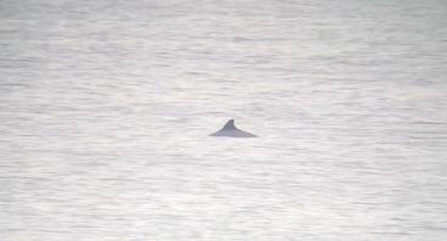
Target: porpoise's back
{"x":230,"y":130}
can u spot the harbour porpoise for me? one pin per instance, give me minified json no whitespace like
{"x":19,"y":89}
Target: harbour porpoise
{"x":230,"y":130}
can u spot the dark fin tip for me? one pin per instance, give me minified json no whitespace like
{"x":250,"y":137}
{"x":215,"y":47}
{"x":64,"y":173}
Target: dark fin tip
{"x":229,"y":125}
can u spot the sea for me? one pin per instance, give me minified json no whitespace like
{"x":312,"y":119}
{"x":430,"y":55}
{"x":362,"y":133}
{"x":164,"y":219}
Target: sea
{"x":106,"y":108}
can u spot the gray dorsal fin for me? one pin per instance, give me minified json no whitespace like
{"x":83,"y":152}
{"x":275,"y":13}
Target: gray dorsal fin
{"x":230,"y":130}
{"x":230,"y":125}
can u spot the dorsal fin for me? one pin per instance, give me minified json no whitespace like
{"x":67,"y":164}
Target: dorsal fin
{"x":229,"y":125}
{"x":230,"y":130}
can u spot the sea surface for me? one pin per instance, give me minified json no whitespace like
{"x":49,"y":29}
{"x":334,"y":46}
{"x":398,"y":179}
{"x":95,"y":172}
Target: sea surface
{"x":106,"y":109}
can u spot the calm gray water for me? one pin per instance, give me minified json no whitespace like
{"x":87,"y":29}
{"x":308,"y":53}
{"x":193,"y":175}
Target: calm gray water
{"x":106,"y":107}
